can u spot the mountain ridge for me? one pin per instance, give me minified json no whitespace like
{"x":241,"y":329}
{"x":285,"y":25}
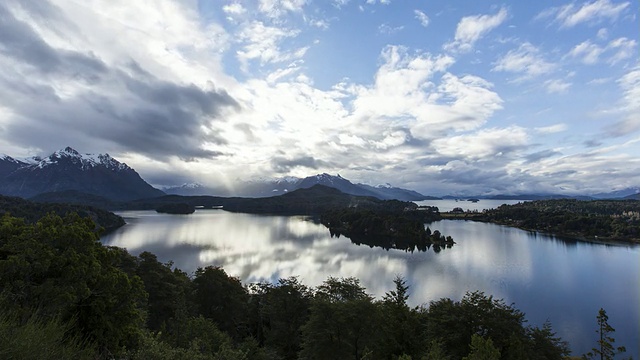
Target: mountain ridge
{"x":68,"y":170}
{"x":263,"y":187}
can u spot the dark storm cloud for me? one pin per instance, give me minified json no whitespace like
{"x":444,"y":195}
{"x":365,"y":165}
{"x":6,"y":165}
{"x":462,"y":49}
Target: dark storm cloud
{"x":19,"y":41}
{"x":123,"y":106}
{"x":283,"y":165}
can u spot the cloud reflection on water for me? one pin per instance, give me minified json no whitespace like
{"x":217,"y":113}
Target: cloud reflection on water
{"x":546,"y":277}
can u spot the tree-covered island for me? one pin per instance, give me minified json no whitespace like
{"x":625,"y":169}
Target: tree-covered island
{"x":393,"y":228}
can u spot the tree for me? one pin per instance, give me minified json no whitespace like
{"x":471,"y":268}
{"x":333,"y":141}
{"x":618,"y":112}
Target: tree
{"x":482,"y":349}
{"x":604,"y":350}
{"x":400,"y":295}
{"x":284,"y":308}
{"x":221,"y":298}
{"x":343,"y":322}
{"x":546,"y":345}
{"x":436,"y":352}
{"x":57,"y":268}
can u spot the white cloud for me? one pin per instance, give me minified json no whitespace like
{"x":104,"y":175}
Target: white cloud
{"x":630,"y":106}
{"x":618,"y":49}
{"x":388,"y":29}
{"x":552,"y":129}
{"x":623,"y":49}
{"x":277,"y":8}
{"x":556,"y":86}
{"x":486,"y":143}
{"x":422,"y":17}
{"x":471,"y":28}
{"x":235,"y":9}
{"x":263,"y":42}
{"x":603,"y":34}
{"x":340,"y":3}
{"x":588,"y":52}
{"x":593,"y":12}
{"x":526,"y":61}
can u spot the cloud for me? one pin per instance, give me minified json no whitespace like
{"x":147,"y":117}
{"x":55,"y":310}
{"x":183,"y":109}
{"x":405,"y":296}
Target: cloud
{"x":630,"y":106}
{"x":484,"y":144}
{"x":557,"y":86}
{"x":388,"y":29}
{"x":525,"y":61}
{"x":93,"y":100}
{"x":552,"y":129}
{"x":278,"y":8}
{"x":284,"y":165}
{"x":422,"y":17}
{"x":234,"y":8}
{"x":592,"y":13}
{"x":263,"y":42}
{"x":471,"y":28}
{"x":618,"y":50}
{"x":588,"y":52}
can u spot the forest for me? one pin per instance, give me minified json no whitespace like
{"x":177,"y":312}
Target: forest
{"x":63,"y":295}
{"x":390,"y":228}
{"x":594,"y":220}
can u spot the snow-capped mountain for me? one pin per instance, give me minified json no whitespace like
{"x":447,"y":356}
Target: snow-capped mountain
{"x":67,"y":169}
{"x":264,"y":187}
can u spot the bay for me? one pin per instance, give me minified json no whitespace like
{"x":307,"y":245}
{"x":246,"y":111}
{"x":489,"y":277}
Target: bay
{"x":548,"y":278}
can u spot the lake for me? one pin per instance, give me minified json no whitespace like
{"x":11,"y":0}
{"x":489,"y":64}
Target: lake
{"x":546,"y":277}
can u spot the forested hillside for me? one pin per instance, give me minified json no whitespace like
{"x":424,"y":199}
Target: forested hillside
{"x":597,"y":219}
{"x":32,"y":212}
{"x":64,"y":295}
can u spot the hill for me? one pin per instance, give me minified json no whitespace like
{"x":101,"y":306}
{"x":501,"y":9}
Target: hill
{"x":32,"y":212}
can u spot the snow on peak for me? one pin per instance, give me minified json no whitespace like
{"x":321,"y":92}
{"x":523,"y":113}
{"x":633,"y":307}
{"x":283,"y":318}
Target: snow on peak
{"x":8,"y":158}
{"x":384,"y":186}
{"x":86,"y":161}
{"x":66,"y":152}
{"x":191,"y":186}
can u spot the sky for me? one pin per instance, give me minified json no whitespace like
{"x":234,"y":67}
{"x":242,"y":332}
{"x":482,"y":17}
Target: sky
{"x":442,"y":97}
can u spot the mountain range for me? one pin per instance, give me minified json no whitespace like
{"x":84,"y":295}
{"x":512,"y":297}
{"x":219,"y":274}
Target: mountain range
{"x":272,"y":187}
{"x":68,"y":170}
{"x":90,"y":178}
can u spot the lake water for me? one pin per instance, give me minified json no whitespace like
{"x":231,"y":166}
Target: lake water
{"x":546,"y":277}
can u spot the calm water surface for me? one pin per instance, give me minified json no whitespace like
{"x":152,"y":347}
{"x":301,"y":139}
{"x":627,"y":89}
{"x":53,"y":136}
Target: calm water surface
{"x":546,"y":277}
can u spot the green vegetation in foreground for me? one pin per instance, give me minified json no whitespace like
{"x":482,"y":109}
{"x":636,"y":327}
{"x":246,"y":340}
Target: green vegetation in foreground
{"x":63,"y":295}
{"x":599,"y":220}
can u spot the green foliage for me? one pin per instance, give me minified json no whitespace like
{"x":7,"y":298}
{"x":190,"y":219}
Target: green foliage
{"x":31,"y":212}
{"x":282,"y":310}
{"x":605,"y":349}
{"x":168,"y":290}
{"x":342,"y":324}
{"x":35,"y":338}
{"x":59,"y":267}
{"x":601,"y":219}
{"x":546,"y":345}
{"x":222,"y":299}
{"x":482,"y":349}
{"x":436,"y":352}
{"x":394,"y":227}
